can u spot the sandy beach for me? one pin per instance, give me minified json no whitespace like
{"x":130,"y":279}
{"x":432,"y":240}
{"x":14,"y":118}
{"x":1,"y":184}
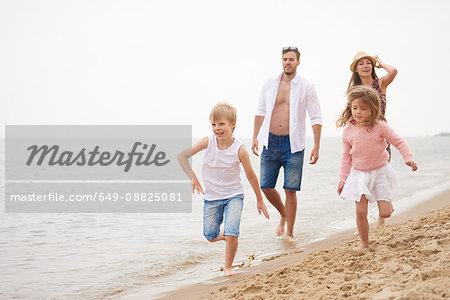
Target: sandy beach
{"x":408,"y":259}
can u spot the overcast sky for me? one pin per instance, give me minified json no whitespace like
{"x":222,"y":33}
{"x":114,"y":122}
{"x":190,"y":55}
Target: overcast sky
{"x":169,"y":62}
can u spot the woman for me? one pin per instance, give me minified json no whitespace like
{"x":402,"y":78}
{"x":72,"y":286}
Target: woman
{"x":363,"y":68}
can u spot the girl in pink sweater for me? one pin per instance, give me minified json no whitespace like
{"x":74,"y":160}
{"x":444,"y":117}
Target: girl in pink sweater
{"x":365,"y":174}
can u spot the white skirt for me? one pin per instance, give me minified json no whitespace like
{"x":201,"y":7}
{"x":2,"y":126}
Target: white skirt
{"x":379,"y":184}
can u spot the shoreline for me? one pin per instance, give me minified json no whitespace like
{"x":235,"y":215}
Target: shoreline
{"x":204,"y":290}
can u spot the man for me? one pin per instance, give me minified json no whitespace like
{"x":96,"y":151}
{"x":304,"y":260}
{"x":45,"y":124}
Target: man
{"x":280,"y":128}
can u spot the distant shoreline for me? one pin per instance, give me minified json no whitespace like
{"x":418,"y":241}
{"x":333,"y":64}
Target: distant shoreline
{"x":443,"y":134}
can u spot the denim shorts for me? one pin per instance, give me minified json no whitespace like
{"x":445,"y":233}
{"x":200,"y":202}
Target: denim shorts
{"x":276,"y":155}
{"x":217,"y":211}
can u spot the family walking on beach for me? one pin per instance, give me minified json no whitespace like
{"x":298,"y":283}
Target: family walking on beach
{"x":279,"y":127}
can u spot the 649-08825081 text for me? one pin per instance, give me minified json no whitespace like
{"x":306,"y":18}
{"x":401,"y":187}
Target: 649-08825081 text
{"x":101,"y":197}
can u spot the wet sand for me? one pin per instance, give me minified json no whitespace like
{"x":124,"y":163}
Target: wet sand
{"x":408,"y":259}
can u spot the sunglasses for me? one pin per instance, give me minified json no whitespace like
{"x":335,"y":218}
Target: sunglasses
{"x":289,"y":48}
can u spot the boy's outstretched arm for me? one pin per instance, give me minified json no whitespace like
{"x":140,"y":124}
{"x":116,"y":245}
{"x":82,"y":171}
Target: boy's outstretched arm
{"x":183,"y":157}
{"x":251,"y":177}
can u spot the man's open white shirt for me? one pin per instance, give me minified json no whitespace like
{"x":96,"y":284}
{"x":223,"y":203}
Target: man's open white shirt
{"x":302,"y":98}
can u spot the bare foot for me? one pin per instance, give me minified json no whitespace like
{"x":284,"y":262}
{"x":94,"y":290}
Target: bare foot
{"x":362,"y":246}
{"x":229,"y":272}
{"x":356,"y":233}
{"x":280,"y":229}
{"x":289,"y":238}
{"x":380,"y":223}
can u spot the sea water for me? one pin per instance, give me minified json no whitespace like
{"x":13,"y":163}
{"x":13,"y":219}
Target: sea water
{"x":75,"y":256}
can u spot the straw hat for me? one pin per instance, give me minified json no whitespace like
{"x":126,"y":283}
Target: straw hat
{"x":358,"y":56}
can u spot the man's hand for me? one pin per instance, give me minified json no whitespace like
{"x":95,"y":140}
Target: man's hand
{"x":314,"y":156}
{"x":255,"y":146}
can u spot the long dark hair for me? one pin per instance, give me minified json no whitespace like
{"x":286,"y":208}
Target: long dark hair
{"x":356,"y":80}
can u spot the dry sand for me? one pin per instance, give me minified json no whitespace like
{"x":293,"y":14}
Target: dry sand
{"x":406,"y":260}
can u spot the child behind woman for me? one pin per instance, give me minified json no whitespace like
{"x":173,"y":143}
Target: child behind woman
{"x":365,"y":174}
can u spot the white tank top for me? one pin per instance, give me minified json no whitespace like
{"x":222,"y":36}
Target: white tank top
{"x":221,"y":171}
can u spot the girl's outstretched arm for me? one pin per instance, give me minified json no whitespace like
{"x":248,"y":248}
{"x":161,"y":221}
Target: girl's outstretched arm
{"x":183,"y":157}
{"x":251,"y":177}
{"x":401,"y":144}
{"x":412,"y":164}
{"x":397,"y":141}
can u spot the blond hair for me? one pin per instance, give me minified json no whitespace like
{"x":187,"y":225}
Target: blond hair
{"x":223,"y":111}
{"x":370,"y":98}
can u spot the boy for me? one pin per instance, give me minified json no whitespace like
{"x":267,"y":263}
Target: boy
{"x":224,"y":193}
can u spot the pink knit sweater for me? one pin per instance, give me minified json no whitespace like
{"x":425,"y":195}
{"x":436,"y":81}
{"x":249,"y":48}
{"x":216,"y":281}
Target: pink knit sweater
{"x":366,"y":150}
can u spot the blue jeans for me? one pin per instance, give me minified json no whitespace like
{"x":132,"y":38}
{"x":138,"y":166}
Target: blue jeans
{"x":214,"y":213}
{"x":276,"y":155}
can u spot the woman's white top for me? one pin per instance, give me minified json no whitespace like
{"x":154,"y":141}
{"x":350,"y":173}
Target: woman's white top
{"x":222,"y":171}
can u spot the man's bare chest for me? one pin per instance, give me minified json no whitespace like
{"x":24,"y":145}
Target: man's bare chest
{"x":283,"y":94}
